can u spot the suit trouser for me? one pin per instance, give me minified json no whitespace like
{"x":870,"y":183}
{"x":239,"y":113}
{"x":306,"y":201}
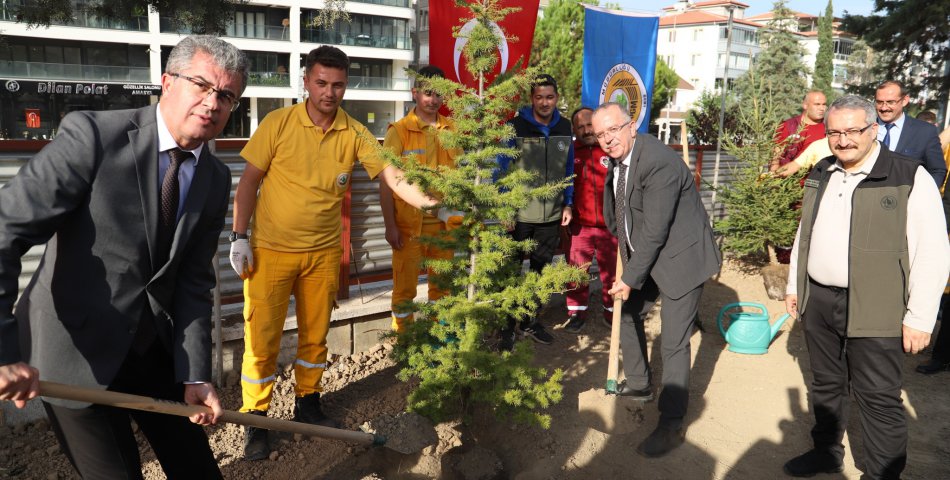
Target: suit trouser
{"x":406,"y":263}
{"x":941,"y":344}
{"x":99,"y":442}
{"x":313,"y":278}
{"x":872,"y":367}
{"x":591,"y":241}
{"x":676,"y":327}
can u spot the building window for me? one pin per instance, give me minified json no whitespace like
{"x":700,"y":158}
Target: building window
{"x":697,"y":34}
{"x":268,"y":69}
{"x":693,"y":60}
{"x":361,"y":31}
{"x":672,"y":36}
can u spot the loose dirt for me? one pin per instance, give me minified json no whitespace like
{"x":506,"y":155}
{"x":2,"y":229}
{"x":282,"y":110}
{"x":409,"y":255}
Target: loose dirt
{"x":747,"y":415}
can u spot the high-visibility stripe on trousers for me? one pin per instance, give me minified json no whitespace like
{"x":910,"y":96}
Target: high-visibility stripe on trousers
{"x":406,"y":263}
{"x":313,"y":278}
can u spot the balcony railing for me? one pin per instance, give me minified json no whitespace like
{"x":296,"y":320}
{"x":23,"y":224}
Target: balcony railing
{"x":256,"y":30}
{"x":87,"y":19}
{"x":314,"y":35}
{"x":391,"y":3}
{"x":268,"y":79}
{"x":71,"y":71}
{"x":379,"y":83}
{"x":842,"y":57}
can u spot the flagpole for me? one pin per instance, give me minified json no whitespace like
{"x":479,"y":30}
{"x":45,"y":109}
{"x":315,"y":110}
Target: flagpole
{"x":722,"y":112}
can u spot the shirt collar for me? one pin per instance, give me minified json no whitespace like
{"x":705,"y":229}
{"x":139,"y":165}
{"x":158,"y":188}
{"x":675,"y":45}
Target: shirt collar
{"x":340,"y":121}
{"x":899,"y":123}
{"x":626,"y":160}
{"x":166,"y":141}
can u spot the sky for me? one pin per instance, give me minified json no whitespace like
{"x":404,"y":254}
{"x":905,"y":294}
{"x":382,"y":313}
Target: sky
{"x":814,"y":7}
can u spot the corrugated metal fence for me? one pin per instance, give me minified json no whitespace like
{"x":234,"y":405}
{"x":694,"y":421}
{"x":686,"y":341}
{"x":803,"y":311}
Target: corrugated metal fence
{"x":370,"y":257}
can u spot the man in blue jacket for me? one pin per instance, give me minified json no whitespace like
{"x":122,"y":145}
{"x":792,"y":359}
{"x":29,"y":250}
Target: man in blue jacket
{"x":545,"y":140}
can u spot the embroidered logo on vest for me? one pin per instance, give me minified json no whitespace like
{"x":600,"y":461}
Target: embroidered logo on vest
{"x":889,"y":202}
{"x":342,"y":178}
{"x":605,"y":161}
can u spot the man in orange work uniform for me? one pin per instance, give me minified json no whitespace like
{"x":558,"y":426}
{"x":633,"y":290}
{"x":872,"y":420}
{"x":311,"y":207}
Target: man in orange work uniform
{"x":415,"y":136}
{"x":299,"y":165}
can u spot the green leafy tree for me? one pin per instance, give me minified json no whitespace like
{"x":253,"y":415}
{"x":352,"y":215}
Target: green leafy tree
{"x":665,"y":81}
{"x":702,"y":119}
{"x":451,"y":356}
{"x":759,"y":206}
{"x":778,"y":68}
{"x":916,"y":38}
{"x":824,"y":60}
{"x":207,"y":16}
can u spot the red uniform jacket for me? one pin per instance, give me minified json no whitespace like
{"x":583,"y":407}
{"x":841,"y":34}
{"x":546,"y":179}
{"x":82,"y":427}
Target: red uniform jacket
{"x":591,"y":165}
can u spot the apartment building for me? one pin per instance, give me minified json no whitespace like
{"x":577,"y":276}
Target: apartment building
{"x":692,"y":41}
{"x":90,"y":63}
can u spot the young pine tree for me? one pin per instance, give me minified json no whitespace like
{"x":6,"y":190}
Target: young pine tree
{"x":450,"y":355}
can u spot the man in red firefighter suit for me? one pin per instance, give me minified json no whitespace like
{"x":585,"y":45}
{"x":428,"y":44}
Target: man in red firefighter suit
{"x":590,"y":236}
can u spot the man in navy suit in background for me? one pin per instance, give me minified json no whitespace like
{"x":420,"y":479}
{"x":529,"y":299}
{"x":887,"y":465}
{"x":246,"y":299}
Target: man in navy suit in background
{"x":905,"y":135}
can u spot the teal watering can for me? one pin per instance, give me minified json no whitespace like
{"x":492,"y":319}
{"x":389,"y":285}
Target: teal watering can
{"x":749,"y":332}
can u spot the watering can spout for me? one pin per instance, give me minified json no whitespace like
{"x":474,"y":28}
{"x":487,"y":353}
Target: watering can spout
{"x":778,"y":325}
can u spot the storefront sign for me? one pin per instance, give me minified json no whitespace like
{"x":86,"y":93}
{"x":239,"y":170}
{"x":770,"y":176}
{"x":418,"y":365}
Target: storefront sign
{"x":81,"y":88}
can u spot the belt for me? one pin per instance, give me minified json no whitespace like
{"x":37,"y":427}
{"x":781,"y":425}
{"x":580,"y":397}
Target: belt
{"x":836,"y":290}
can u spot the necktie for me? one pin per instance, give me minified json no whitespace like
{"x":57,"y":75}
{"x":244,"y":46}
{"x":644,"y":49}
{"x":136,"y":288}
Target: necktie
{"x":168,"y":205}
{"x":620,"y":207}
{"x":167,"y":219}
{"x":887,"y":135}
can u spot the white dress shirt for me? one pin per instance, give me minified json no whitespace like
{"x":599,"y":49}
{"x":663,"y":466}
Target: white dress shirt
{"x":186,"y":172}
{"x":895,"y":132}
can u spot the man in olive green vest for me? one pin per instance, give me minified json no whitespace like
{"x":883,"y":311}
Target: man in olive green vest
{"x":868,"y":291}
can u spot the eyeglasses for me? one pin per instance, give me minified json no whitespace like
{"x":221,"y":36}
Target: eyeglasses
{"x":889,"y":103}
{"x":203,"y":88}
{"x":612,"y":131}
{"x":850,"y":134}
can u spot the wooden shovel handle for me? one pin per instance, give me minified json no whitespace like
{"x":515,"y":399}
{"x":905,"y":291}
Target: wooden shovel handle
{"x":148,"y":404}
{"x":613,"y":361}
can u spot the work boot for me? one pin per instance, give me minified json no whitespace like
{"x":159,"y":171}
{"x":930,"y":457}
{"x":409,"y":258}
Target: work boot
{"x":934,"y":365}
{"x":307,"y":410}
{"x":574,"y":323}
{"x":256,"y":446}
{"x":813,"y":462}
{"x":537,"y":333}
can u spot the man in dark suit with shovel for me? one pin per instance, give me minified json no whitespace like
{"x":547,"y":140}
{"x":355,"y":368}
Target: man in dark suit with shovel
{"x":668,"y":252}
{"x":131,"y":204}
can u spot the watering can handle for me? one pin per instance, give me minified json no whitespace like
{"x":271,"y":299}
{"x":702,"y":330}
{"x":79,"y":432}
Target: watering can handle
{"x":731,"y":306}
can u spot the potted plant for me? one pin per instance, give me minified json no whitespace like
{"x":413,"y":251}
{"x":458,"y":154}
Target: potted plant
{"x":762,"y":212}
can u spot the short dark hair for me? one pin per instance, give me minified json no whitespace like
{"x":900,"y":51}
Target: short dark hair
{"x":428,"y":71}
{"x":327,"y":56}
{"x":579,"y":110}
{"x":927,"y":116}
{"x":888,"y":83}
{"x":544,"y":80}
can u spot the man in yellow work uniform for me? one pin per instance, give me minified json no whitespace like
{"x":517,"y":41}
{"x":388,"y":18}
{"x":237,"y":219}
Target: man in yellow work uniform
{"x":415,"y":136}
{"x":299,"y":165}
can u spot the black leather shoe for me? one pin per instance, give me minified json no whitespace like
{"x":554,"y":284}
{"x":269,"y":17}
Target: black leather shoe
{"x":307,"y":410}
{"x":644,"y":395}
{"x":813,"y":462}
{"x":662,"y":441}
{"x":256,"y":446}
{"x":933,"y":366}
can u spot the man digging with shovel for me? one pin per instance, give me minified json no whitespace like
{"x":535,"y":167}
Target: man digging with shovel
{"x":667,"y":250}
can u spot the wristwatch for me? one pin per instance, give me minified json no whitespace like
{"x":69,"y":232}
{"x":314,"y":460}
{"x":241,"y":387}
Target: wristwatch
{"x":236,"y":236}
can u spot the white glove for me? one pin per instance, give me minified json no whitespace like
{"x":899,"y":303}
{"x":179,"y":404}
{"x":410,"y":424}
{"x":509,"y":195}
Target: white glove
{"x":242,"y":260}
{"x":450,"y":216}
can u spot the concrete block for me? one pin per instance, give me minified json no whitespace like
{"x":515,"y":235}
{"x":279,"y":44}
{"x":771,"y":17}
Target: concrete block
{"x":366,"y":331}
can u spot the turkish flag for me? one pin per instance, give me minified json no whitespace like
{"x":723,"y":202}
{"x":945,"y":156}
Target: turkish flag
{"x":445,"y":51}
{"x":32,"y":117}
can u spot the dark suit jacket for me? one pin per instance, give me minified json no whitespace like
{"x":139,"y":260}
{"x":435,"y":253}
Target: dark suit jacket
{"x":919,"y":141}
{"x":669,"y":230}
{"x":93,"y":194}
